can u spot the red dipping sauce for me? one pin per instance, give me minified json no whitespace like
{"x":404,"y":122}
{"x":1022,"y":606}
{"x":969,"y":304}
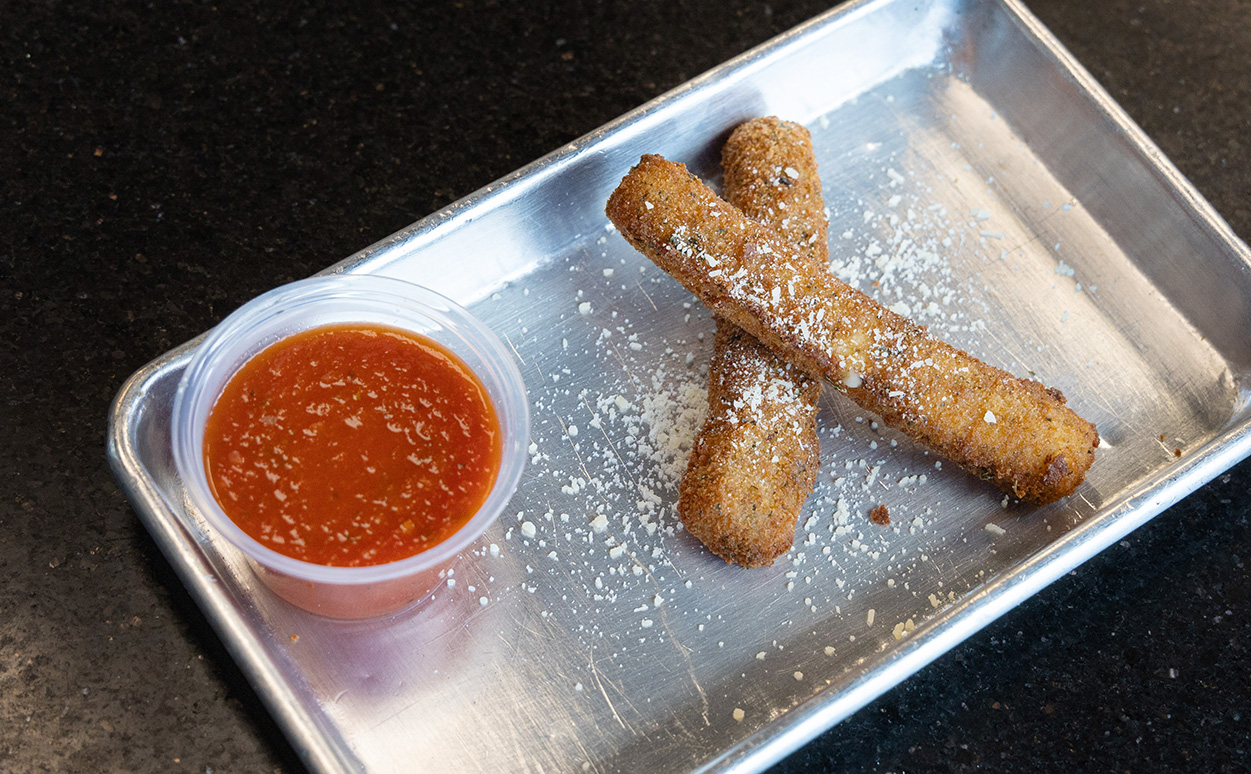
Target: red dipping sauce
{"x":352,"y":445}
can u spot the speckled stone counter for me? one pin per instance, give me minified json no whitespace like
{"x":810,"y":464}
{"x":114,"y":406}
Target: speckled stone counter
{"x":165,"y":162}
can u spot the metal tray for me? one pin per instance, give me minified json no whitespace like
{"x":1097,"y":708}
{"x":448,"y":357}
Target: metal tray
{"x":974,"y":172}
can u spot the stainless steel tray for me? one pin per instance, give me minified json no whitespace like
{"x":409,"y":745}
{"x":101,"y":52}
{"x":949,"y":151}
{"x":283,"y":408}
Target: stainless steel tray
{"x":975,"y":173}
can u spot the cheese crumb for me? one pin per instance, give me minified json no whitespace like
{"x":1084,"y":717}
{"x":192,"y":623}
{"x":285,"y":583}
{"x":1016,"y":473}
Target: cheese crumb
{"x":995,"y":529}
{"x":739,"y":714}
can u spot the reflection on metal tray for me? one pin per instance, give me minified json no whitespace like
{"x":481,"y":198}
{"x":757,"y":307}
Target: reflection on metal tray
{"x":974,"y":174}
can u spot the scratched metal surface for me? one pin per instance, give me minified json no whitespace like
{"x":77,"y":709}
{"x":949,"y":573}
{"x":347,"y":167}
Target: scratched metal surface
{"x":975,"y":174}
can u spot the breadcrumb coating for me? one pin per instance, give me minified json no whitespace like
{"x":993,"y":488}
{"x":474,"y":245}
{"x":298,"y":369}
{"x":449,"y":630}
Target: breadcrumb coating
{"x":1014,"y":432}
{"x":756,"y":458}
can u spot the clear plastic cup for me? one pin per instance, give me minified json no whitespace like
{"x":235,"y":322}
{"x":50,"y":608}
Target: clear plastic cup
{"x":348,"y":592}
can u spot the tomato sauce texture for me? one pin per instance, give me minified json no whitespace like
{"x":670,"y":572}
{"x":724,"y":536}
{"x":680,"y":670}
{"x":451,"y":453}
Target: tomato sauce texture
{"x":352,"y":445}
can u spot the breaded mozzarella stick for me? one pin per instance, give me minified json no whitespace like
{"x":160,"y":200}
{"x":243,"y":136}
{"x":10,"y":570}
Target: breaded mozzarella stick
{"x":1013,"y":432}
{"x":755,"y":460}
{"x":771,"y":176}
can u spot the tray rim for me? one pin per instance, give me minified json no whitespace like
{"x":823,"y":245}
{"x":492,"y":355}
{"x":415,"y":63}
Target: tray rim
{"x":322,"y":749}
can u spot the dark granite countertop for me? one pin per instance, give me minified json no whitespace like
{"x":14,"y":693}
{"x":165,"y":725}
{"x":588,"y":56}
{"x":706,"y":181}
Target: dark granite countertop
{"x":165,"y":162}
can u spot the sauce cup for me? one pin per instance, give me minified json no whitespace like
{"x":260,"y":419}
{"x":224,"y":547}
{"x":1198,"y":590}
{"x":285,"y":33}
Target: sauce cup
{"x":332,"y":591}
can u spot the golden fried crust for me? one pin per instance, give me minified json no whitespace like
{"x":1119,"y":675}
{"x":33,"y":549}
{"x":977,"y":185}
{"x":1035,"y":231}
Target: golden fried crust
{"x":1013,"y":432}
{"x":756,"y":458}
{"x":771,"y":176}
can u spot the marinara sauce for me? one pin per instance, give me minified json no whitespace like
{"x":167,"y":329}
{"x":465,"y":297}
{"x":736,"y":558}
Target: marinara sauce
{"x":352,"y":445}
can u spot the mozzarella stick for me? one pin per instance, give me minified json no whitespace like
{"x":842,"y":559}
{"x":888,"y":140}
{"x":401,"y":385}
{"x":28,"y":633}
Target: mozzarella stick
{"x":771,"y":176}
{"x":755,"y":460}
{"x":1013,"y":432}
